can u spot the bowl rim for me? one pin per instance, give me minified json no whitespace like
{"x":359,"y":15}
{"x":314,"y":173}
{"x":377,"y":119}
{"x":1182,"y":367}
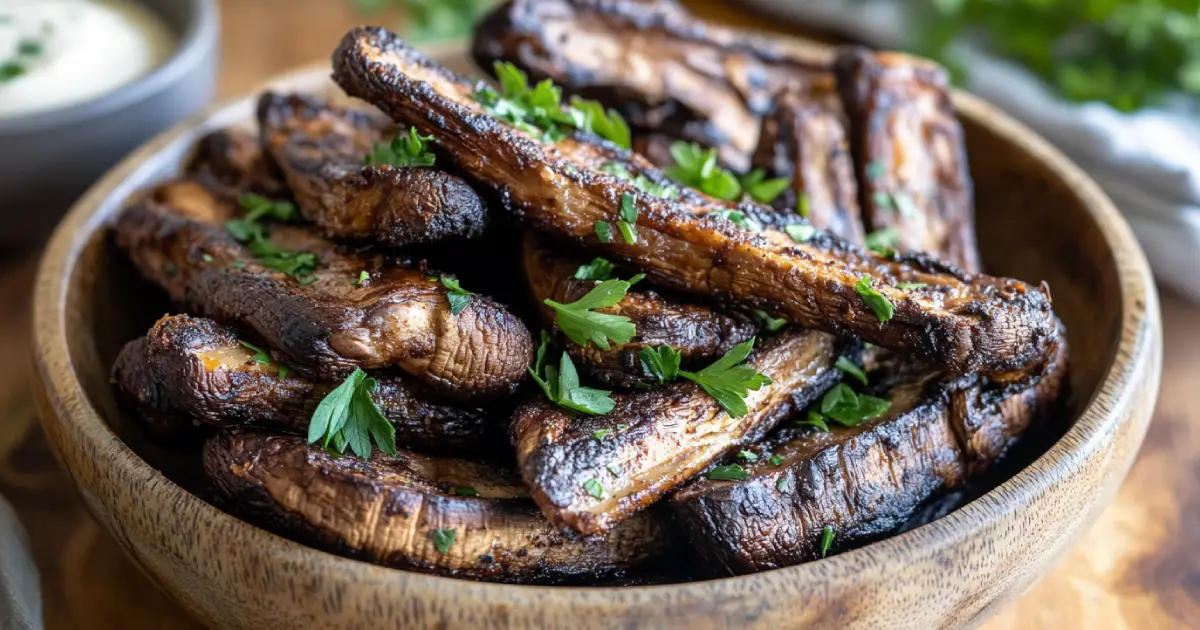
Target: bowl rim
{"x":1138,"y":351}
{"x":195,"y":43}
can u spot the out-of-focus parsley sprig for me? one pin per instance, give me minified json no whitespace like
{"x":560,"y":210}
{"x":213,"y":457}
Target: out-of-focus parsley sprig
{"x":432,"y":20}
{"x":1127,"y":53}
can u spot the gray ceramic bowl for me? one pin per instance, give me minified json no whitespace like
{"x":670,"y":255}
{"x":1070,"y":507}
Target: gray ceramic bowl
{"x":49,"y":158}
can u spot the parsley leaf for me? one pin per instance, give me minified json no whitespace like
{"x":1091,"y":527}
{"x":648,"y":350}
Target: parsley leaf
{"x":627,"y":226}
{"x":643,"y":183}
{"x":826,"y":539}
{"x":362,"y":278}
{"x":775,"y":460}
{"x":432,"y":20}
{"x":909,"y":286}
{"x":749,"y":456}
{"x":876,"y":170}
{"x":761,"y":189}
{"x":443,"y":539}
{"x":600,"y":434}
{"x":258,"y":207}
{"x":816,"y":421}
{"x":783,"y":485}
{"x":609,"y":125}
{"x":882,"y":307}
{"x":581,"y":324}
{"x":800,"y":233}
{"x":458,"y":297}
{"x":594,"y":488}
{"x":603,"y":231}
{"x":348,"y":417}
{"x":883,"y":241}
{"x":738,"y":218}
{"x":404,"y":151}
{"x":562,"y":387}
{"x":844,"y":406}
{"x":260,"y":355}
{"x":803,"y":205}
{"x":599,"y":269}
{"x":849,"y":367}
{"x":730,"y":472}
{"x":250,"y":230}
{"x":729,"y":380}
{"x":465,"y":491}
{"x":772,"y":324}
{"x":698,"y":168}
{"x":662,"y":362}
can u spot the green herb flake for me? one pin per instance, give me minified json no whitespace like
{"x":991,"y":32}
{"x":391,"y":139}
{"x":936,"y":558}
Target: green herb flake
{"x":661,"y":363}
{"x":627,"y":226}
{"x":730,"y":472}
{"x":800,"y":233}
{"x":348,"y":417}
{"x":850,"y":367}
{"x":443,"y":539}
{"x":561,"y":385}
{"x":594,"y":488}
{"x":603,"y":231}
{"x":11,"y":70}
{"x":761,"y":189}
{"x":826,"y":539}
{"x":880,"y":305}
{"x":748,"y":456}
{"x":911,"y":286}
{"x":600,"y":434}
{"x":905,"y":205}
{"x":599,"y":270}
{"x":260,"y":355}
{"x":876,"y":170}
{"x":736,"y":217}
{"x":775,"y":460}
{"x":409,"y":150}
{"x":238,"y":264}
{"x":207,"y":258}
{"x":580,"y":322}
{"x":816,"y":421}
{"x":882,"y":200}
{"x":771,"y":324}
{"x":613,"y":469}
{"x":783,"y":485}
{"x":883,"y":241}
{"x":842,"y":405}
{"x":804,"y":205}
{"x":465,"y":491}
{"x":458,"y":297}
{"x":697,"y":168}
{"x":729,"y":380}
{"x":363,"y":277}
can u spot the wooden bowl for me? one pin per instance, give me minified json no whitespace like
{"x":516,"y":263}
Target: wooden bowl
{"x":1040,"y":218}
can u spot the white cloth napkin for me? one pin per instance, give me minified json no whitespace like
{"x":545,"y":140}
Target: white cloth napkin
{"x":20,"y":604}
{"x":1148,"y":161}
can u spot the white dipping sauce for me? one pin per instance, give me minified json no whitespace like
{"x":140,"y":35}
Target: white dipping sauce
{"x":63,"y":52}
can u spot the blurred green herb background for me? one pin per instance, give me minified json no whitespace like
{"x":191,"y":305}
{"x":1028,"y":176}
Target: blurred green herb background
{"x":1128,"y":53}
{"x":432,"y":20}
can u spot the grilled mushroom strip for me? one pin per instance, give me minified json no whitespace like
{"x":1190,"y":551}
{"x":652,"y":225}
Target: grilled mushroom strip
{"x":138,"y":391}
{"x":653,"y":441}
{"x":805,"y":141}
{"x":700,"y":334}
{"x":662,"y":68}
{"x":909,"y":151}
{"x":862,"y":481}
{"x":321,"y":150}
{"x":960,"y":321}
{"x":233,"y":159}
{"x":434,"y":515}
{"x":351,"y":311}
{"x":205,"y":374}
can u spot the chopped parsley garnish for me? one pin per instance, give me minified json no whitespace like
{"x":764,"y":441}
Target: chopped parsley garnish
{"x":10,"y":70}
{"x":561,"y":385}
{"x":882,"y":200}
{"x":662,"y":362}
{"x":803,"y":205}
{"x":876,"y":170}
{"x":580,"y":322}
{"x":298,"y":264}
{"x":207,"y":258}
{"x":775,"y":460}
{"x":603,"y":231}
{"x":800,"y":233}
{"x":783,"y":485}
{"x":594,"y":488}
{"x":600,"y":434}
{"x":815,"y":420}
{"x":826,"y":539}
{"x":431,"y":20}
{"x":443,"y":539}
{"x":260,"y":355}
{"x":643,"y":183}
{"x":238,"y":263}
{"x":910,"y":286}
{"x":458,"y":297}
{"x":736,"y":217}
{"x":727,"y":379}
{"x":880,"y":305}
{"x":883,"y":241}
{"x":850,"y":409}
{"x":258,"y":207}
{"x":627,"y":226}
{"x":698,"y":168}
{"x":250,"y":230}
{"x":749,"y":456}
{"x":849,"y":367}
{"x":405,"y":151}
{"x":465,"y":491}
{"x":772,"y":324}
{"x":363,"y":277}
{"x":348,"y":417}
{"x":730,"y":472}
{"x":761,"y":189}
{"x":539,"y":110}
{"x":27,"y":51}
{"x":599,"y":270}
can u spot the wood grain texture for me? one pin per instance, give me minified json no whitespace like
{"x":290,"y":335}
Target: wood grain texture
{"x":1136,"y":568}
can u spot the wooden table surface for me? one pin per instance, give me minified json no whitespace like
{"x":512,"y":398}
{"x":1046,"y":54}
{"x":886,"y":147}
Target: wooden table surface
{"x":1139,"y":567}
